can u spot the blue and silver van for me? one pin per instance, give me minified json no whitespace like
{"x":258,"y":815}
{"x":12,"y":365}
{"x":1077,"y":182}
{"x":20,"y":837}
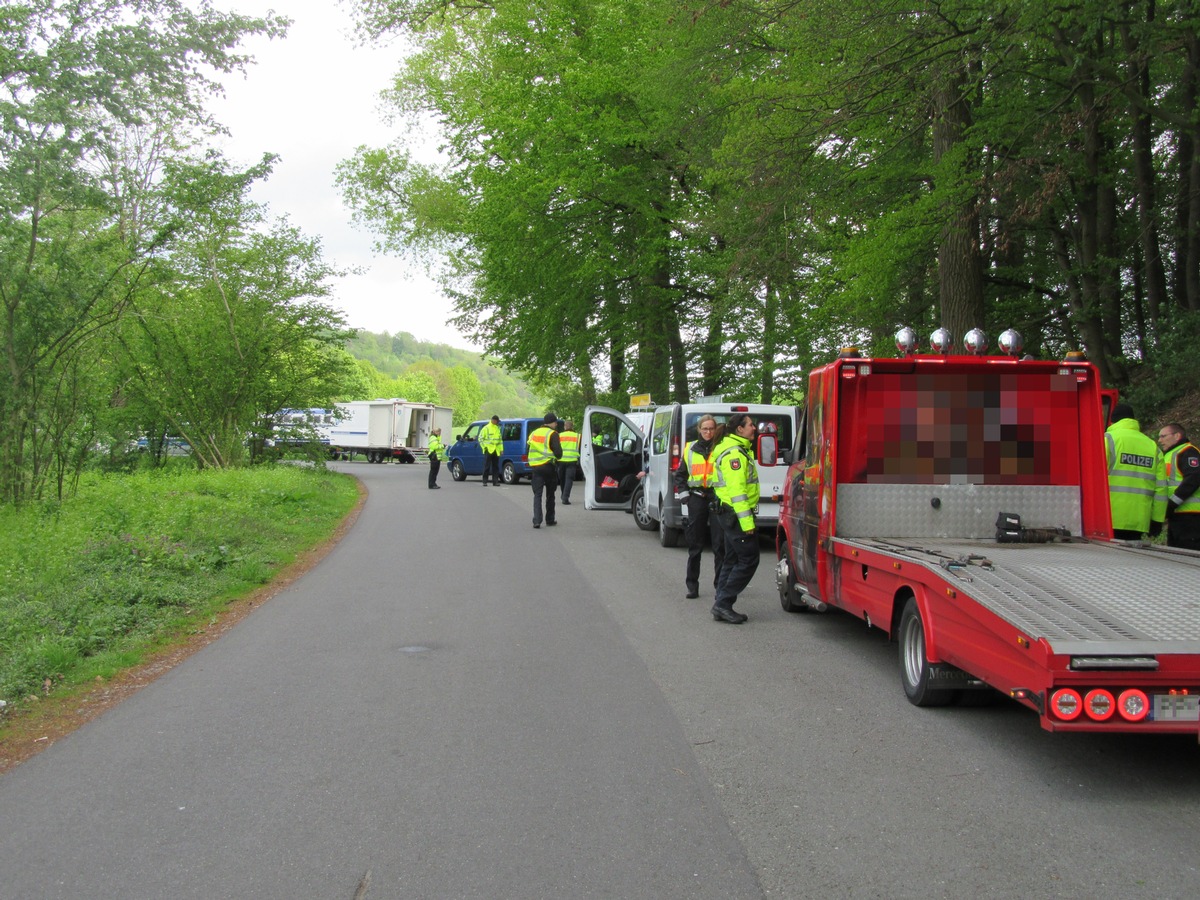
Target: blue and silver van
{"x":466,"y":458}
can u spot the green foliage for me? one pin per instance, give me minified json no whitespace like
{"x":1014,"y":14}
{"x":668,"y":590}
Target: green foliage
{"x":424,"y":372}
{"x":638,"y":198}
{"x":131,"y":558}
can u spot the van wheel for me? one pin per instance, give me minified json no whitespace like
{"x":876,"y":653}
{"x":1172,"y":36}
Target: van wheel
{"x":641,"y":514}
{"x":668,"y":537}
{"x":457,"y":472}
{"x":508,"y":474}
{"x":915,"y":670}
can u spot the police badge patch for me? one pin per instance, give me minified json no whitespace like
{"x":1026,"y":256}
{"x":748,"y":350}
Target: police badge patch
{"x":735,"y":464}
{"x":1193,"y":462}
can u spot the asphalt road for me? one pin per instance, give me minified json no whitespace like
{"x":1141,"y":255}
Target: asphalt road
{"x":454,"y":705}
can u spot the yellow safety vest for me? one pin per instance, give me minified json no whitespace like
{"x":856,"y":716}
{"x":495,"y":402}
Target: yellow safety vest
{"x":735,"y":478}
{"x":1175,"y":478}
{"x":539,"y":447}
{"x":570,"y":446}
{"x":699,"y":466}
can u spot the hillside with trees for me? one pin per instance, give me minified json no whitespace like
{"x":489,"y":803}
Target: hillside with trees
{"x":401,"y":366}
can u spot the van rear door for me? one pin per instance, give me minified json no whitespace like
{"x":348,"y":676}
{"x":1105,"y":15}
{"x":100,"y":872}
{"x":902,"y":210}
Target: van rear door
{"x":611,"y":453}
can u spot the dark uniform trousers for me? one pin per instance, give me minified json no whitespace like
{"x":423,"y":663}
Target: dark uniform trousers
{"x":545,"y":479}
{"x":1183,"y":530}
{"x":741,"y":558}
{"x":491,"y":466}
{"x":702,"y":527}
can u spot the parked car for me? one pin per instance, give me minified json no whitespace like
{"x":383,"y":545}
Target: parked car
{"x":466,"y":458}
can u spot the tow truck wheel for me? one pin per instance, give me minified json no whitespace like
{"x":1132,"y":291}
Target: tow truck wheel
{"x":508,"y":474}
{"x":915,"y":670}
{"x":457,"y":472}
{"x":789,"y":597}
{"x":641,"y":514}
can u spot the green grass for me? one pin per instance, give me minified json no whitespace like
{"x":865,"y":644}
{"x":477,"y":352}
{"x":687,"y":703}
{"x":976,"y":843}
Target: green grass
{"x":90,"y":586}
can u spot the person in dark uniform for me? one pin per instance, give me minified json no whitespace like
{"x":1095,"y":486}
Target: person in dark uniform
{"x":545,"y":450}
{"x":693,"y":485}
{"x":1183,"y":479}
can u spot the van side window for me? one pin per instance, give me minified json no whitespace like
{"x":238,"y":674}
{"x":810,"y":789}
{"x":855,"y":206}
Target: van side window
{"x":472,"y":432}
{"x":661,"y":432}
{"x":510,"y":431}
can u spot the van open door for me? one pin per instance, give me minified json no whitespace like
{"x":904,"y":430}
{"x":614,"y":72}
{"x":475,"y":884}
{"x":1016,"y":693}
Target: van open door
{"x":611,"y":453}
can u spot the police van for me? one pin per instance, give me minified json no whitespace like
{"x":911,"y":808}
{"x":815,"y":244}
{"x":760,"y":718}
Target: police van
{"x":465,"y":457}
{"x":626,"y":469}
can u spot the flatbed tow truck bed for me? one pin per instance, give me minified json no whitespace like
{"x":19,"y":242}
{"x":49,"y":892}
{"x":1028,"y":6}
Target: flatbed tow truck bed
{"x":1083,"y":598}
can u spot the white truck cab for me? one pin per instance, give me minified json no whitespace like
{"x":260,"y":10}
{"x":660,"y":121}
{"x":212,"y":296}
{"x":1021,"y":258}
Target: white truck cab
{"x":615,"y":451}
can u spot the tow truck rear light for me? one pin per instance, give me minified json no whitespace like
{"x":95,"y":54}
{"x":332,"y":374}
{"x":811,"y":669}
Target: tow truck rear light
{"x":1099,"y":704}
{"x":1066,"y":704}
{"x":1133,"y":705}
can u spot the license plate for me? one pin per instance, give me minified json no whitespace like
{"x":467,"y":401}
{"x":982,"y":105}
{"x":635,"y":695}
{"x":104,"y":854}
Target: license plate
{"x":1176,"y":708}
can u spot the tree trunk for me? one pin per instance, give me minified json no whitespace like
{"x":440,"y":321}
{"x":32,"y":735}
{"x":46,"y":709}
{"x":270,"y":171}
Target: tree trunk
{"x":960,"y":264}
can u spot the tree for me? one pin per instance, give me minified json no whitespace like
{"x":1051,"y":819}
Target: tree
{"x":75,"y":78}
{"x":235,"y":326}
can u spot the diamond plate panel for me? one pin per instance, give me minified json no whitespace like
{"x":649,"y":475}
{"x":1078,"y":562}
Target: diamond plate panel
{"x":961,"y":510}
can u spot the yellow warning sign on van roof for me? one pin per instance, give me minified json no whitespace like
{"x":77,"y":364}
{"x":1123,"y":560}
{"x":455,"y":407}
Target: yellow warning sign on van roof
{"x":640,"y":401}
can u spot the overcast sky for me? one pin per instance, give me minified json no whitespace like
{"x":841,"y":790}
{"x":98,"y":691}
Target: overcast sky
{"x":312,"y":98}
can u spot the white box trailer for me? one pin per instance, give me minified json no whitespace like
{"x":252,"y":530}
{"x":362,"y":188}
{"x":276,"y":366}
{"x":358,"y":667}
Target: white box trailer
{"x":388,"y":429}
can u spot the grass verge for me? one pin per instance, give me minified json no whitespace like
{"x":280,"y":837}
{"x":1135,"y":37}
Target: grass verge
{"x":100,"y":594}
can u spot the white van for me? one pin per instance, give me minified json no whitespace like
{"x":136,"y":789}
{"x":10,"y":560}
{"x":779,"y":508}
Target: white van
{"x":614,"y":451}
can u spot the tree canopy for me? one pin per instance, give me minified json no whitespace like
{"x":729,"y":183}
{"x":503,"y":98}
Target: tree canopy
{"x":652,"y":196}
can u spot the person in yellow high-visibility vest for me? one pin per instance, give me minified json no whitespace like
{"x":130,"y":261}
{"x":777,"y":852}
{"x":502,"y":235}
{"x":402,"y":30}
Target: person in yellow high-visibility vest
{"x":436,"y":451}
{"x":491,"y":443}
{"x":693,"y":486}
{"x":544,"y":451}
{"x":569,"y":438}
{"x":1137,"y":477}
{"x":1182,"y":460}
{"x":735,"y":486}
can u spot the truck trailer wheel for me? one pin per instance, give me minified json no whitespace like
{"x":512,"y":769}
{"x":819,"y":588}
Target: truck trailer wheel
{"x":457,"y":472}
{"x":915,"y":669}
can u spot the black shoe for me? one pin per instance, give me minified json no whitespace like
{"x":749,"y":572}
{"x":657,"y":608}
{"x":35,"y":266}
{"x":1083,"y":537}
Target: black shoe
{"x":435,"y":487}
{"x":537,"y":524}
{"x":566,"y":503}
{"x":693,"y":591}
{"x":548,"y":523}
{"x":721,"y":614}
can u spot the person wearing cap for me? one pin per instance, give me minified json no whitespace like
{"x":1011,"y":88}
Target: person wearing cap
{"x":1137,"y":477}
{"x":1182,"y":463}
{"x":545,"y":450}
{"x":491,"y":442}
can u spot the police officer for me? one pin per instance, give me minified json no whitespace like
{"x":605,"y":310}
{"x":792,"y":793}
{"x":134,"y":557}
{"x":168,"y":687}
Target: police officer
{"x":569,"y":438}
{"x":693,"y":480}
{"x":545,"y":450}
{"x":436,"y":452}
{"x":1182,"y":463}
{"x":491,"y":442}
{"x":1136,"y":477}
{"x":735,"y":490}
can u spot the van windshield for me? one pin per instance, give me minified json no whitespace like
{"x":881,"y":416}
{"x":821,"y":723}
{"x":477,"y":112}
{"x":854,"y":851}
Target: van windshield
{"x":781,"y":422}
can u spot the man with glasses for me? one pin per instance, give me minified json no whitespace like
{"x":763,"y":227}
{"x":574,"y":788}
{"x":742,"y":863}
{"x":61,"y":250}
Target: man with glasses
{"x":693,"y":485}
{"x":1136,"y":477}
{"x":1183,"y":478}
{"x":735,"y":489}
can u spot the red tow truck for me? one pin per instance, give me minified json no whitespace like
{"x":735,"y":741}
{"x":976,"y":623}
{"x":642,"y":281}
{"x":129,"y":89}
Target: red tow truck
{"x":960,"y":504}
